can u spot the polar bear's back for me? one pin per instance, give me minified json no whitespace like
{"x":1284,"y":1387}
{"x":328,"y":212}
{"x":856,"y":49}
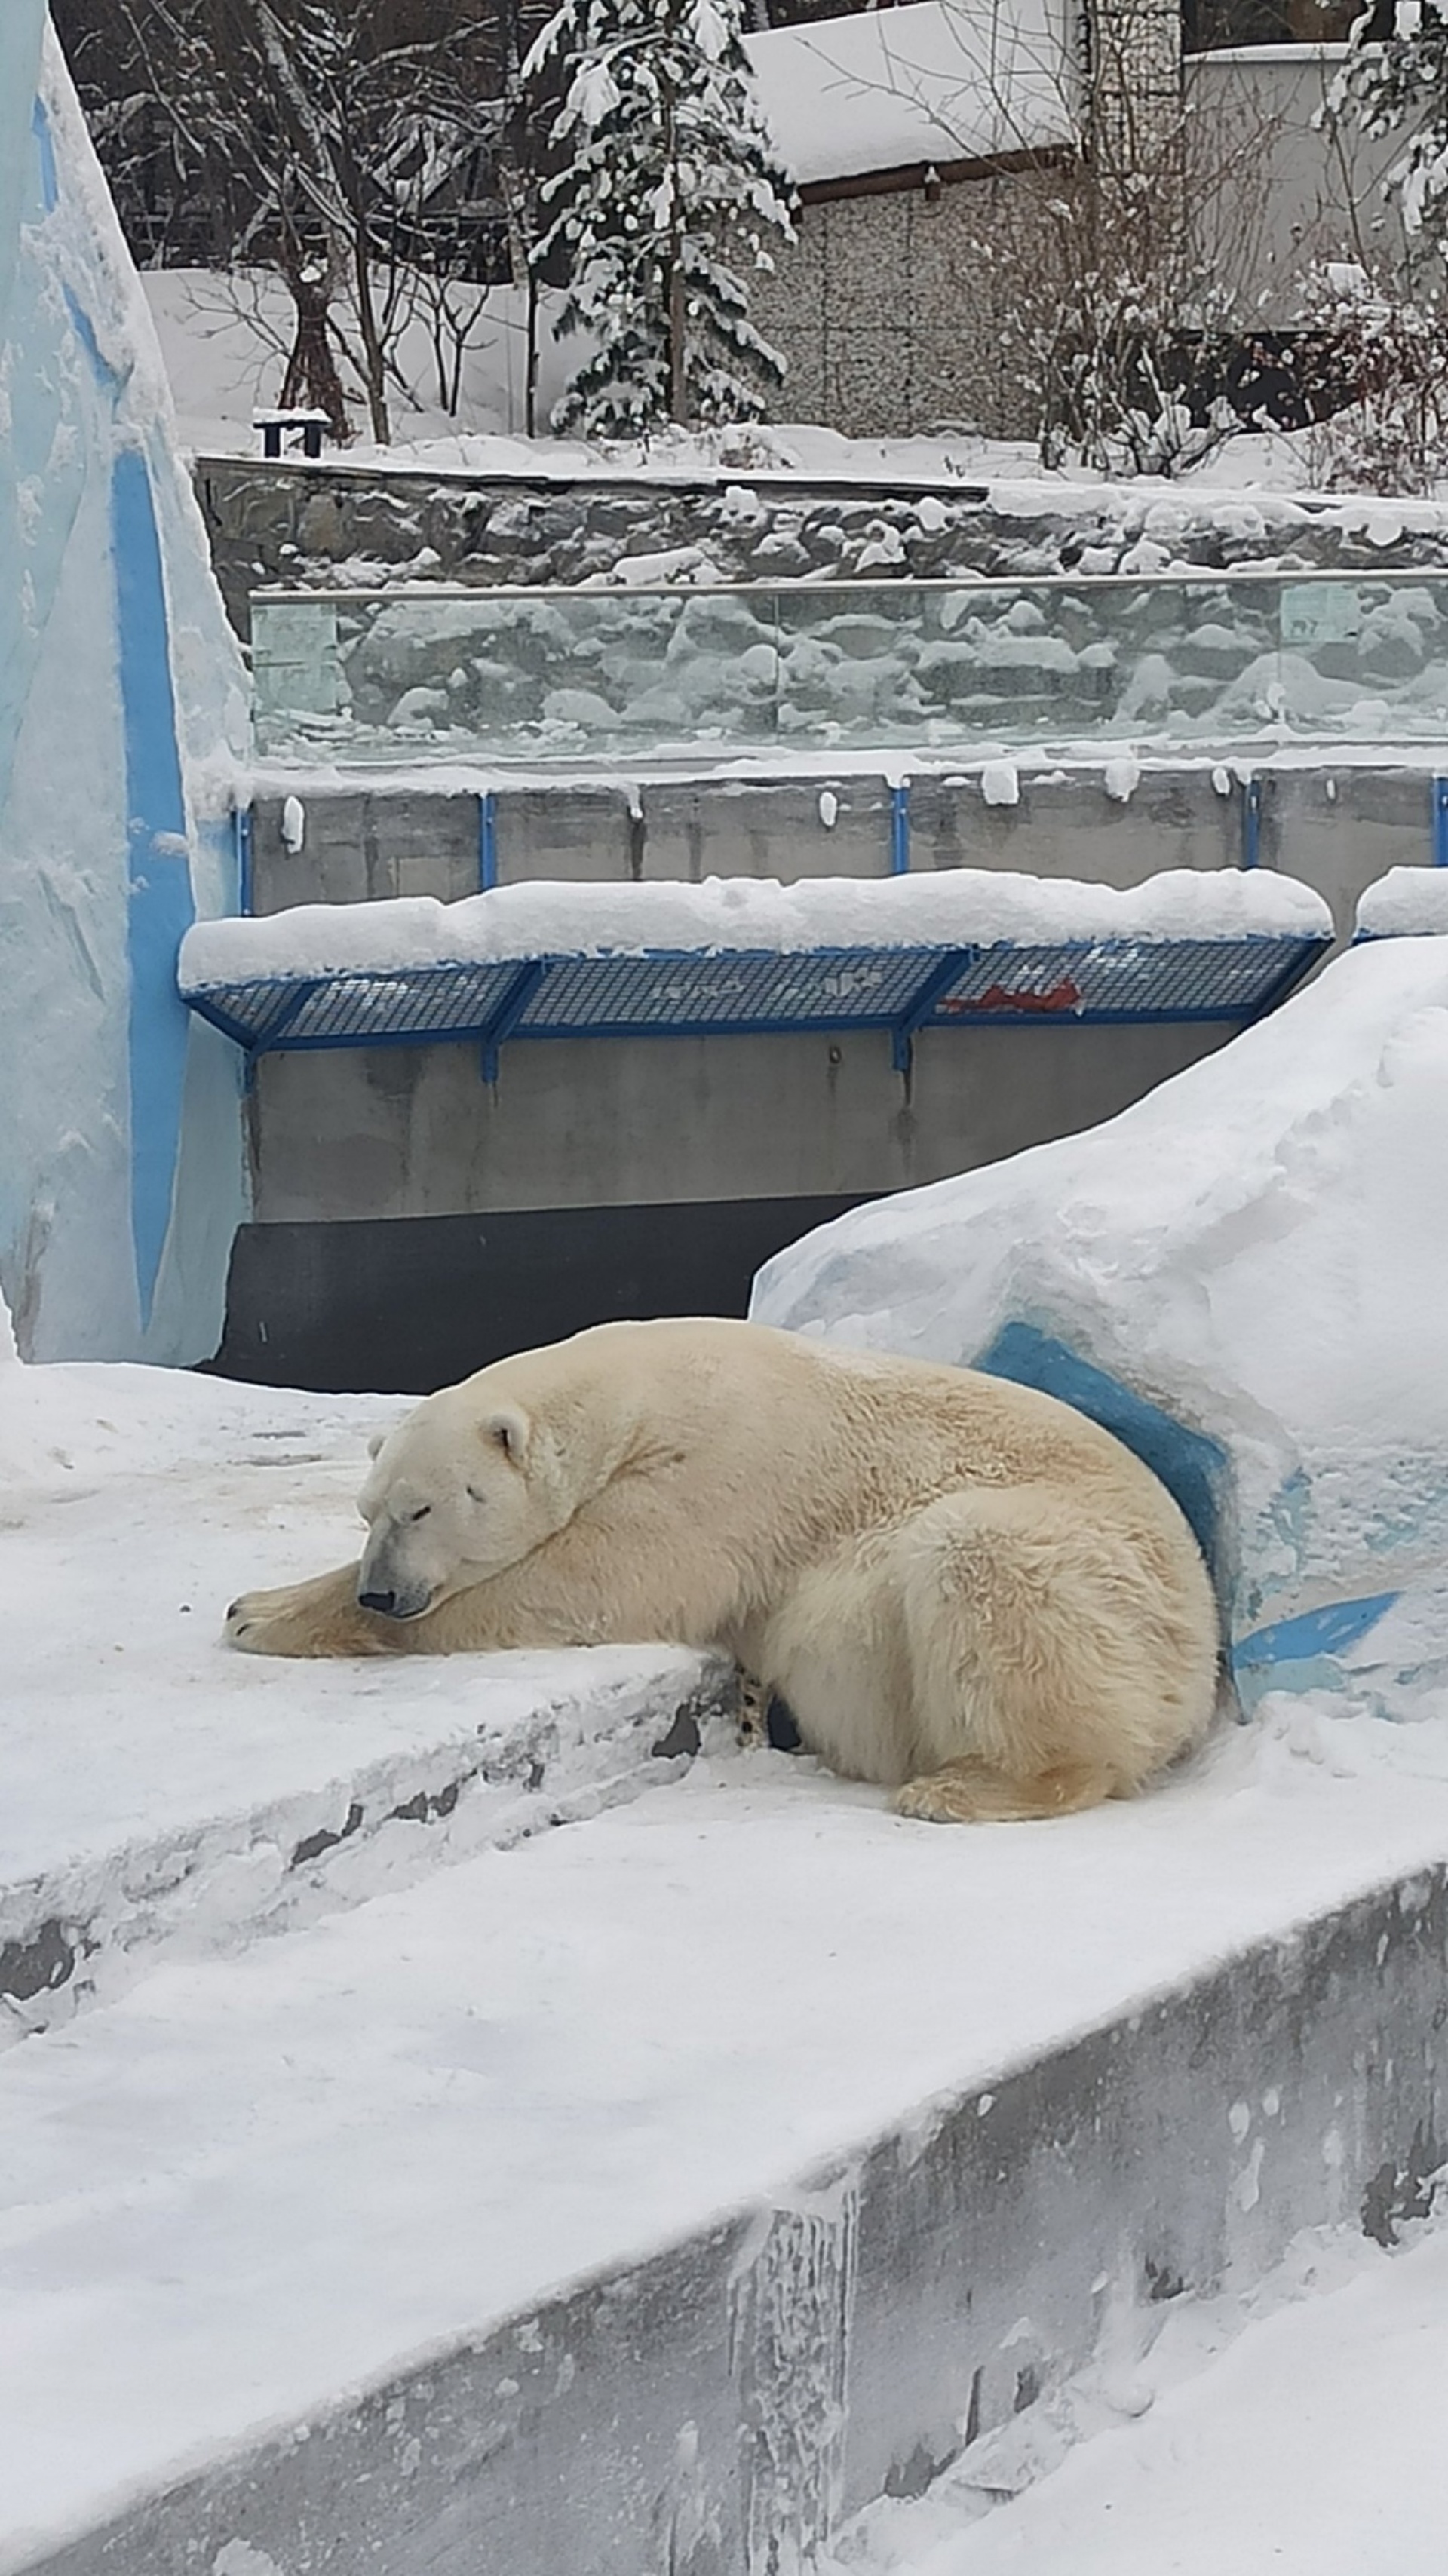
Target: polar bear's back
{"x":778,"y":1425}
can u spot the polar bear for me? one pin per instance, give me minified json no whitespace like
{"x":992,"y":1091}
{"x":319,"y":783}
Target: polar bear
{"x":963,"y":1589}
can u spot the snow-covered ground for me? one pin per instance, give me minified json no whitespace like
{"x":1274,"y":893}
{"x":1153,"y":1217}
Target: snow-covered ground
{"x":580,"y":2046}
{"x":1293,"y":2431}
{"x":161,"y":1796}
{"x":225,"y":339}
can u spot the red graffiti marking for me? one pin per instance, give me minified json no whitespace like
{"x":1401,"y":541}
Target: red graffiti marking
{"x":1061,"y":997}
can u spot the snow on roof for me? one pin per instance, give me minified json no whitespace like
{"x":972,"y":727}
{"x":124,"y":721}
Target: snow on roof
{"x":938,"y":81}
{"x":960,"y":906}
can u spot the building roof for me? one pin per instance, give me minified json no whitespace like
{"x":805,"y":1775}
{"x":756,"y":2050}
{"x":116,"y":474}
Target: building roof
{"x":939,"y":81}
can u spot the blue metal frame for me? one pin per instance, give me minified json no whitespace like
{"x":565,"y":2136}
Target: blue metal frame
{"x":520,"y":991}
{"x":900,"y":829}
{"x":1251,"y":822}
{"x":242,"y":820}
{"x":948,"y":970}
{"x":751,"y":993}
{"x":487,"y":840}
{"x":1440,"y":822}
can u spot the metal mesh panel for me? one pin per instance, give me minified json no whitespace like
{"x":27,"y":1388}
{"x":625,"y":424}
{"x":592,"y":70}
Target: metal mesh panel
{"x":664,"y":991}
{"x":1145,"y":979}
{"x":421,"y":1003}
{"x":681,"y":992}
{"x":349,"y":1010}
{"x":242,"y":1010}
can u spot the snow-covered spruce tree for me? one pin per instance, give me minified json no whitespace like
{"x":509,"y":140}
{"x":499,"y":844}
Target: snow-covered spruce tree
{"x":667,"y":188}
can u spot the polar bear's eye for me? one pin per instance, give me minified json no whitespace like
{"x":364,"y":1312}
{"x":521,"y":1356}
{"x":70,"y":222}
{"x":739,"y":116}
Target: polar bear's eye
{"x":474,"y":1496}
{"x":421,"y":1512}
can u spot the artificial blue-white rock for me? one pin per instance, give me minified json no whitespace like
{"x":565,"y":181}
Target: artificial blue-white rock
{"x":122,"y":729}
{"x":1248,"y":1266}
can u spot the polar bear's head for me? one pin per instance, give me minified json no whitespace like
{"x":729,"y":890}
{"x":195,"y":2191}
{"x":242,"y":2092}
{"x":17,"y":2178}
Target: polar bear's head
{"x":457,"y":1492}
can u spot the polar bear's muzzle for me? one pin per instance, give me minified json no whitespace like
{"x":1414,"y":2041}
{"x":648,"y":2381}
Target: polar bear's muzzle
{"x":397,"y":1603}
{"x":387,"y":1584}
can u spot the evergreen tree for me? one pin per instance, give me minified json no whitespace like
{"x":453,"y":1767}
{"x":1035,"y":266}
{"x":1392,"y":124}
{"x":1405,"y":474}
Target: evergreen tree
{"x":669,"y":181}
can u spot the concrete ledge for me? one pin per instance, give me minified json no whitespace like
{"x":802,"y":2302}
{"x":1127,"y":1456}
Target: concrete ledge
{"x":550,"y":1740}
{"x":1336,"y":824}
{"x":717,"y":2409}
{"x":167,"y":1798}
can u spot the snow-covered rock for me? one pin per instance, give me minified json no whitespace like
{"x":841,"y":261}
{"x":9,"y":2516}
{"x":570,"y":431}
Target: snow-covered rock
{"x":1244,"y":1274}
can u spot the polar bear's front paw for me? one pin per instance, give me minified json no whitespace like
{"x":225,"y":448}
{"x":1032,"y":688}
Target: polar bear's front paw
{"x":317,"y":1618}
{"x":256,"y":1624}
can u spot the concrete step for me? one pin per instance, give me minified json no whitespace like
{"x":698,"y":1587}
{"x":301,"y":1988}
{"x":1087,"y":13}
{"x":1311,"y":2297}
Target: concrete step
{"x":649,"y":2193}
{"x":659,"y":2192}
{"x":167,"y":1797}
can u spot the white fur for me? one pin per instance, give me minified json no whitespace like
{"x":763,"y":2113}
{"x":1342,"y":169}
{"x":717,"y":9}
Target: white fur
{"x":963,"y":1589}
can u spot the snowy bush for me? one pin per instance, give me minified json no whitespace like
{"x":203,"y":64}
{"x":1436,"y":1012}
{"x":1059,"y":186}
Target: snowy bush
{"x":1384,"y":368}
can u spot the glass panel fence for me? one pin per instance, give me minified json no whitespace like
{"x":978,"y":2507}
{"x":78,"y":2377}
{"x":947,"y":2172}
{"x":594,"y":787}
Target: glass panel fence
{"x":544,"y":677}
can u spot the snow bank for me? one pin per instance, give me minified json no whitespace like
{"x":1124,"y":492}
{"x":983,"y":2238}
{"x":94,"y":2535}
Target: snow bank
{"x":958,"y":907}
{"x":1243,"y":1271}
{"x":1406,"y":903}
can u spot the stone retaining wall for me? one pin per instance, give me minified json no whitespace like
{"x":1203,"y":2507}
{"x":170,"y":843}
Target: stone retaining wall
{"x":298,"y":525}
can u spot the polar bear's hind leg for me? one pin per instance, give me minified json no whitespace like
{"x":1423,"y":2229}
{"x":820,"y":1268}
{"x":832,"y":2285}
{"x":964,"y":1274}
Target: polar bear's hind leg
{"x":970,"y":1793}
{"x":1061,"y":1651}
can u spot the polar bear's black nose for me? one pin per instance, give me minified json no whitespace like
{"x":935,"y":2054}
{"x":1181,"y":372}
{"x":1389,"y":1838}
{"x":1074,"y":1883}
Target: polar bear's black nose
{"x":398,"y":1602}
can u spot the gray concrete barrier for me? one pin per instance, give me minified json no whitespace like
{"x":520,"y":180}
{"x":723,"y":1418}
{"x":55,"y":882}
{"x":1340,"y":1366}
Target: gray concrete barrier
{"x":717,"y":2408}
{"x":1337,"y":828}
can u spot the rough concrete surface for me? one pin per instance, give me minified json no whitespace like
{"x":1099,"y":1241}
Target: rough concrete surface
{"x":714,"y":2411}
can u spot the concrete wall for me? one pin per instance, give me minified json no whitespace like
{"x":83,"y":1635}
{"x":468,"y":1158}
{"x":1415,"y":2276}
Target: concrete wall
{"x":888,"y":309}
{"x":403,"y":1131}
{"x":414,"y":1220}
{"x":1278,"y":191}
{"x":1337,"y":829}
{"x":417,"y":1303}
{"x":719,"y":2407}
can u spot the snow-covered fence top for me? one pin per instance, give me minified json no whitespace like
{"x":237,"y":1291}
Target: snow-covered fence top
{"x":962,"y":907}
{"x":742,"y":958}
{"x":1407,"y":903}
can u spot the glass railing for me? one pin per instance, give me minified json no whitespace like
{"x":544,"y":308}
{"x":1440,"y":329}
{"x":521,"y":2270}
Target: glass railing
{"x":1200,"y":661}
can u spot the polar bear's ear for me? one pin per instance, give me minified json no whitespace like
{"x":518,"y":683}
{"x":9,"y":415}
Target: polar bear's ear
{"x":375,"y":1443}
{"x":507,"y":1427}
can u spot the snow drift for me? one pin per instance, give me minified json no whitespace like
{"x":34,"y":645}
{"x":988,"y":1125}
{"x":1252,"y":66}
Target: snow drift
{"x":1243,"y":1273}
